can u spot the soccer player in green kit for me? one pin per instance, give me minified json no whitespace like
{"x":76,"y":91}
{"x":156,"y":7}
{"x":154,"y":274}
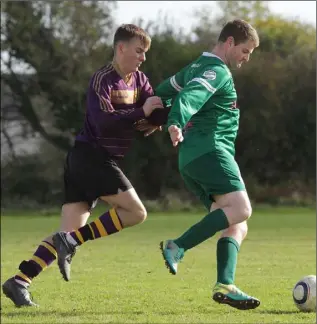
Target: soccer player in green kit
{"x":204,"y":121}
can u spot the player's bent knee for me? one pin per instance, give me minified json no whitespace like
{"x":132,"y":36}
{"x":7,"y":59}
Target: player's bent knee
{"x":140,"y":215}
{"x":236,"y":206}
{"x":240,"y":213}
{"x":245,"y":209}
{"x":136,"y":215}
{"x":246,"y":212}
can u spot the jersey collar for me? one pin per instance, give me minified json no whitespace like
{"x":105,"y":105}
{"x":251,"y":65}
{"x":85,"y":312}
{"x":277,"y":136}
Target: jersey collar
{"x":212,"y":55}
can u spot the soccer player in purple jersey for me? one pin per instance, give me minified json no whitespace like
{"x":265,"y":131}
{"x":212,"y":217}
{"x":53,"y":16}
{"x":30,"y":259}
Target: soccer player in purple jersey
{"x":118,"y":97}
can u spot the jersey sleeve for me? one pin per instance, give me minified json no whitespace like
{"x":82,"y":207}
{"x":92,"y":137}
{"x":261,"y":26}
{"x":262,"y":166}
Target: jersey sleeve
{"x":195,"y":93}
{"x":166,"y":90}
{"x":101,"y":109}
{"x":146,"y":90}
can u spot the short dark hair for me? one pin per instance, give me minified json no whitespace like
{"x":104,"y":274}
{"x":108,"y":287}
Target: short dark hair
{"x":240,"y":30}
{"x":128,"y":31}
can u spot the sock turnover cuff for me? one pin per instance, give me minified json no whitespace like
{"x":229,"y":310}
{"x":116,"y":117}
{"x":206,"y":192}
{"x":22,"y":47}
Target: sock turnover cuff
{"x":229,"y":240}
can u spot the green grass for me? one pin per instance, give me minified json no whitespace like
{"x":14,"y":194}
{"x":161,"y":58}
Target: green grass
{"x":122,"y":278}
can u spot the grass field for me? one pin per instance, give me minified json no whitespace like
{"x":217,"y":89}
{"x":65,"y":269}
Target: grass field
{"x":122,"y":278}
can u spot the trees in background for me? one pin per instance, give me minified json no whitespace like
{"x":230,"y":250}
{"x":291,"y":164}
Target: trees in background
{"x":58,"y":44}
{"x":61,"y":44}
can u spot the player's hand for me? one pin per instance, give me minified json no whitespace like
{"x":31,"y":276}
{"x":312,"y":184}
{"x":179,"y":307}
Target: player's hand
{"x":176,"y":135}
{"x":144,"y":126}
{"x":152,"y":103}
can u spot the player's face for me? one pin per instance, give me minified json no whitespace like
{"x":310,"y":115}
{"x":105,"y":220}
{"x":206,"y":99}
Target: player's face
{"x":133,"y":54}
{"x":240,"y":54}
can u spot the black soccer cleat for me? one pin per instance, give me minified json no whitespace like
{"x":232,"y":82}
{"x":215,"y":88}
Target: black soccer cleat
{"x":234,"y":297}
{"x":65,"y":252}
{"x":17,"y":293}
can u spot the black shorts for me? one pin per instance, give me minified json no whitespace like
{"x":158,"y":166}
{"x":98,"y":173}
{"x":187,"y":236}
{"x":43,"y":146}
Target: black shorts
{"x":90,"y":173}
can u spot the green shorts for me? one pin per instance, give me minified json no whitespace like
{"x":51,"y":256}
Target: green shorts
{"x":214,"y":173}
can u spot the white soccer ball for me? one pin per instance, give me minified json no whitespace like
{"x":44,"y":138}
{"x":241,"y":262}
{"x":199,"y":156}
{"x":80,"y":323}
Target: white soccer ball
{"x":304,"y":294}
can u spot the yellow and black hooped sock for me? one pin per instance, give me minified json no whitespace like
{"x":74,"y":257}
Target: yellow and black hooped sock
{"x":107,"y":224}
{"x":44,"y":255}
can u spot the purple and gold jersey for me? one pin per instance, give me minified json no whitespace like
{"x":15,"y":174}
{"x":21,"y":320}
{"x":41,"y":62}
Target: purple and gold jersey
{"x":113,"y":106}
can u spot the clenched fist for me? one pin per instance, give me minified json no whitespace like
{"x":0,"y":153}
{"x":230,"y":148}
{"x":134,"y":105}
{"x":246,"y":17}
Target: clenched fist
{"x":152,"y":103}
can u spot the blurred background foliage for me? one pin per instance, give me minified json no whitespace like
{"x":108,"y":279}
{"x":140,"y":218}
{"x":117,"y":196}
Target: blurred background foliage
{"x":49,"y":50}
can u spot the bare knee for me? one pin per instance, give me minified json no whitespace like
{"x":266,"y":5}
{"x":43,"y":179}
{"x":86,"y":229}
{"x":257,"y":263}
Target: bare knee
{"x":236,"y":206}
{"x":245,"y":211}
{"x":129,"y":207}
{"x":242,"y":205}
{"x":140,"y":214}
{"x":134,"y":215}
{"x":241,"y":213}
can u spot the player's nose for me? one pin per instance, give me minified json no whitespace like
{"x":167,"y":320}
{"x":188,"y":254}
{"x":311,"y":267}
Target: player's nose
{"x":142,"y":57}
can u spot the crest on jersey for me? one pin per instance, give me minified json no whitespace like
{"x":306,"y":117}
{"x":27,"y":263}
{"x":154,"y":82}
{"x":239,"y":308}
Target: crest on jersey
{"x":210,"y":75}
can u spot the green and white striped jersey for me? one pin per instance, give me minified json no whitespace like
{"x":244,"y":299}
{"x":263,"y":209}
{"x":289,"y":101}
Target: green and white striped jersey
{"x":203,"y":99}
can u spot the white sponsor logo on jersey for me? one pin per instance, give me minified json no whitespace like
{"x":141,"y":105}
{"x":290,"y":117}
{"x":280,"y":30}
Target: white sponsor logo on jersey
{"x":210,"y":75}
{"x":195,"y":65}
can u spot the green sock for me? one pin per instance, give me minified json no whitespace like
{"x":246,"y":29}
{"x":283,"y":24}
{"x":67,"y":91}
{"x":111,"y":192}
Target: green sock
{"x":227,"y":254}
{"x":203,"y":230}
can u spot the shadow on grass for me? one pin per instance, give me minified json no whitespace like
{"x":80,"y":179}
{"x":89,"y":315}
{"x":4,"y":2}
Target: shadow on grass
{"x":278,"y":312}
{"x":70,"y":313}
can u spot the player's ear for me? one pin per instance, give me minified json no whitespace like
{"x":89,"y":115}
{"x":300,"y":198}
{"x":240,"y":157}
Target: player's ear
{"x":120,"y":47}
{"x":230,"y":41}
